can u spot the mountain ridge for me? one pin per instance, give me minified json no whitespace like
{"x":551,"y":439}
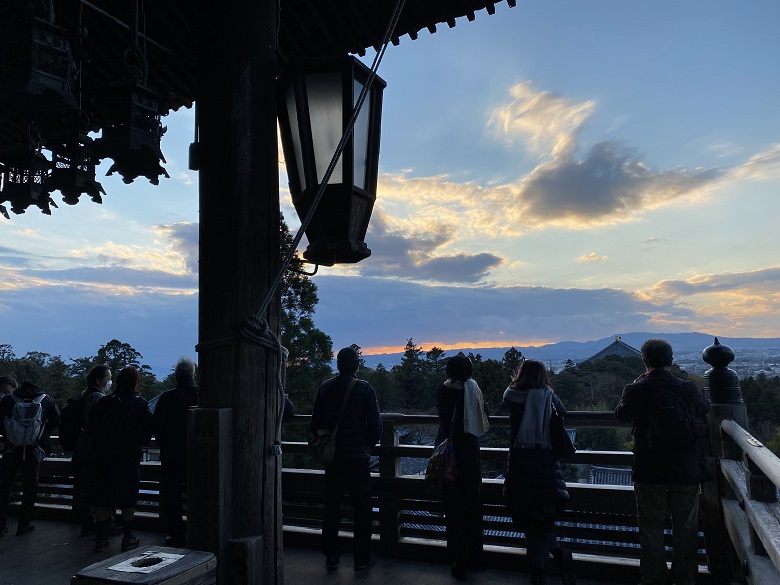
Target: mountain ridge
{"x":577,"y":351}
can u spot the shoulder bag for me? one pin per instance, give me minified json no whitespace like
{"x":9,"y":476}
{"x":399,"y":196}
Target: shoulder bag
{"x":323,"y":446}
{"x":562,"y":447}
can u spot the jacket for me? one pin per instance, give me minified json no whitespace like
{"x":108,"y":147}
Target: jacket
{"x":170,"y":420}
{"x":533,"y":476}
{"x":50,"y":414}
{"x":361,"y":424}
{"x":634,"y":406}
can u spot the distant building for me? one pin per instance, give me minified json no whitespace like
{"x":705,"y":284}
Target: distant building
{"x":618,"y":348}
{"x":599,"y":475}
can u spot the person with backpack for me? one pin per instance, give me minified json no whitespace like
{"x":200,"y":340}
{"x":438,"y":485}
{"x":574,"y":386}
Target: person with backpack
{"x":120,"y":426}
{"x":29,"y":415}
{"x":74,"y":436}
{"x":666,"y":468}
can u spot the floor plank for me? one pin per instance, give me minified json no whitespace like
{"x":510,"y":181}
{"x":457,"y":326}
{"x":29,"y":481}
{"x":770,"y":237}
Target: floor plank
{"x":54,"y":552}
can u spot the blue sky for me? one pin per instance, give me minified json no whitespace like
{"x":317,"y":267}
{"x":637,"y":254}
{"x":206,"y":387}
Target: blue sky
{"x":561,"y":170}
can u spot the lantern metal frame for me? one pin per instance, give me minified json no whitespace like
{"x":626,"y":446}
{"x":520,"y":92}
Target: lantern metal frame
{"x":25,"y":175}
{"x":316,"y":101}
{"x":73,"y":170}
{"x":37,"y":69}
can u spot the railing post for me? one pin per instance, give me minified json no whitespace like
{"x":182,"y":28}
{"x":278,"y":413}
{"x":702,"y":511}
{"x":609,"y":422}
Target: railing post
{"x":723,"y":391}
{"x":759,"y":488}
{"x":389,"y":505}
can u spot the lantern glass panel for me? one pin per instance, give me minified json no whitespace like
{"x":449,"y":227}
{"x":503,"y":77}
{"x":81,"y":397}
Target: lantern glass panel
{"x":292,"y":115}
{"x":326,"y":117}
{"x":360,"y":135}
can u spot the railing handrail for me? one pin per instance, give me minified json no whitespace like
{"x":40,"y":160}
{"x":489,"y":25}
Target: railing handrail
{"x":574,"y":418}
{"x":764,"y":459}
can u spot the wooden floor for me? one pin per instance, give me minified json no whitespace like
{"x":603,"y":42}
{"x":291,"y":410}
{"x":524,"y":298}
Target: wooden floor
{"x":54,"y":552}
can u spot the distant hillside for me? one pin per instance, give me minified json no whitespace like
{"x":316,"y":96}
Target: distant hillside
{"x":580,"y":350}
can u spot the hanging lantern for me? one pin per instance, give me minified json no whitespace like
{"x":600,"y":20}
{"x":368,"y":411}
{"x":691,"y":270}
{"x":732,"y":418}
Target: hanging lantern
{"x":316,"y":102}
{"x":73,"y":171}
{"x":24,"y":176}
{"x":37,"y":70}
{"x":133,"y":140}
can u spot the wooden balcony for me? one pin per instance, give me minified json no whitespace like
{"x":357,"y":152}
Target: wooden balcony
{"x":599,"y":523}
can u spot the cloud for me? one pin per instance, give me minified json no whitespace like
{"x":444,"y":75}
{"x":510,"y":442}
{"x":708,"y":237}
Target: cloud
{"x":743,"y":303}
{"x":761,"y":166}
{"x":74,"y":322}
{"x":610,"y":185}
{"x":184,"y":240}
{"x":549,"y":122}
{"x":573,"y":187}
{"x":592,"y":257}
{"x":767,"y":279}
{"x":400,"y":250}
{"x":385,"y":311}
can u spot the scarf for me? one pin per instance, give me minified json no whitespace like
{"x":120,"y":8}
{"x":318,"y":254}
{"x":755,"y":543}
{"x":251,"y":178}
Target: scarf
{"x":475,"y":421}
{"x":534,"y":428}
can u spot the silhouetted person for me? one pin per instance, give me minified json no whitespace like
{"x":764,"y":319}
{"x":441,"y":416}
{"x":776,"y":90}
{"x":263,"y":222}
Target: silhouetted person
{"x":461,"y":409}
{"x":120,"y":425}
{"x":24,"y":457}
{"x":98,"y":384}
{"x":359,"y":430}
{"x":170,"y":428}
{"x":664,"y":479}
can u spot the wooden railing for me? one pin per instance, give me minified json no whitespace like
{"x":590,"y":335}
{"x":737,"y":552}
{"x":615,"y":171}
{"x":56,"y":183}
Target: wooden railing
{"x":749,"y":501}
{"x":598,"y":524}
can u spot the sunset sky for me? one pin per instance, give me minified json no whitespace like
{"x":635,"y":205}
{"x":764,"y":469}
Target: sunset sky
{"x":562,"y":170}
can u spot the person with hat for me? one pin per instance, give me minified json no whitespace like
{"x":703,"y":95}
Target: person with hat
{"x":350,"y":403}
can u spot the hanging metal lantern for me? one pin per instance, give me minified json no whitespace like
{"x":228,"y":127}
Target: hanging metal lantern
{"x":37,"y":70}
{"x":316,"y":102}
{"x":24,"y":176}
{"x":133,"y":140}
{"x":73,"y":171}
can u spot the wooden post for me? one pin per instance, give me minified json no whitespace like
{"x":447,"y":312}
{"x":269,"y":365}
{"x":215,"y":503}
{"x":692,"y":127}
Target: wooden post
{"x":389,"y":506}
{"x":723,"y":392}
{"x":239,"y":258}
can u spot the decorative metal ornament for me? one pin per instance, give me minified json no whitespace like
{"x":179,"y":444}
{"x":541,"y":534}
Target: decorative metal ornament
{"x":73,"y":171}
{"x":316,"y":102}
{"x":24,"y":176}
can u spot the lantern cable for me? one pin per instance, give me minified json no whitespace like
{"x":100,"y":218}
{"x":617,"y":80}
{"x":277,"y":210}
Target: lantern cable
{"x":256,"y":328}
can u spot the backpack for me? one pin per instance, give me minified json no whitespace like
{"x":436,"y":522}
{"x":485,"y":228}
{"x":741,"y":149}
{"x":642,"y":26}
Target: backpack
{"x":672,"y":430}
{"x":25,"y":425}
{"x":70,"y":424}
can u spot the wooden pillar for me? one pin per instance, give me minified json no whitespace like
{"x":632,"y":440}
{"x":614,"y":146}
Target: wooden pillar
{"x":723,"y":392}
{"x":239,"y":258}
{"x":389,"y":503}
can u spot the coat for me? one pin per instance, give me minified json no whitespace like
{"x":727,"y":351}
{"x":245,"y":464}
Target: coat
{"x":634,"y":406}
{"x":534,"y":477}
{"x":361,"y":424}
{"x":119,"y":428}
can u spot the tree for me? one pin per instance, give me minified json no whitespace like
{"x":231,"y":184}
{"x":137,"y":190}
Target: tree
{"x":310,"y":349}
{"x":116,"y":355}
{"x":409,"y":377}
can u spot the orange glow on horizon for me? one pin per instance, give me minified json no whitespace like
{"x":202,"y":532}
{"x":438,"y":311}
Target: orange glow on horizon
{"x":427,"y":346}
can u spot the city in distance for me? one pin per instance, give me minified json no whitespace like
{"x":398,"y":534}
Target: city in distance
{"x":753,"y":355}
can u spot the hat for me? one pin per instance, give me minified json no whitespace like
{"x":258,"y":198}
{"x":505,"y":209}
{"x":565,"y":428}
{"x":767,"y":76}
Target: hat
{"x":347,"y":361}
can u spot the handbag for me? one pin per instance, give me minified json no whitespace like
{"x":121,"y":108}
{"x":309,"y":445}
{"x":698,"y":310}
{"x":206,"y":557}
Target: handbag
{"x":562,"y":447}
{"x":323,"y":446}
{"x":441,"y":466}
